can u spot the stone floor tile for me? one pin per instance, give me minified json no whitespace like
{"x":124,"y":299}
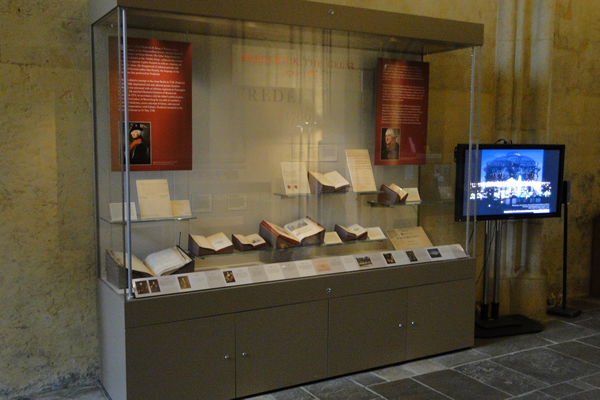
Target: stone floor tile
{"x":500,"y":377}
{"x":459,"y":357}
{"x":578,"y":350}
{"x":406,"y":389}
{"x":460,"y":387}
{"x":340,"y":389}
{"x":559,"y":331}
{"x":561,"y":390}
{"x":547,"y":366}
{"x":510,"y":344}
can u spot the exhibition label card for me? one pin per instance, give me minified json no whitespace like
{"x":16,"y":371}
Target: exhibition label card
{"x":349,"y":263}
{"x":289,"y":270}
{"x":322,"y":266}
{"x":409,"y":238}
{"x":198,"y":280}
{"x":306,"y":268}
{"x":237,"y":276}
{"x":215,"y":279}
{"x":274,"y":272}
{"x":257,"y":273}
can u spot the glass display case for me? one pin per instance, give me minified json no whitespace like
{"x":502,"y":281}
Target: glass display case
{"x":215,"y":122}
{"x":233,"y":114}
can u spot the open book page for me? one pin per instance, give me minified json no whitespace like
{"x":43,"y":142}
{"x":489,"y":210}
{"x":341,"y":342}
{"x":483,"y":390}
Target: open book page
{"x":361,"y":172}
{"x":251,"y":240}
{"x":356,"y":229}
{"x":166,"y":261}
{"x":333,"y":179}
{"x":303,"y":228}
{"x":202,"y":241}
{"x":332,"y":238}
{"x":336,"y":179}
{"x":375,"y":233}
{"x":281,"y":231}
{"x":324,"y":180}
{"x":413,"y":195}
{"x":136,"y":263}
{"x":219,"y":241}
{"x":294,"y":178}
{"x":154,"y":198}
{"x":398,"y":190}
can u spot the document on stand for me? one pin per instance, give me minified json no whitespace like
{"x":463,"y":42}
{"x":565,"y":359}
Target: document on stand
{"x":295,"y":178}
{"x":361,"y":172}
{"x":154,"y":199}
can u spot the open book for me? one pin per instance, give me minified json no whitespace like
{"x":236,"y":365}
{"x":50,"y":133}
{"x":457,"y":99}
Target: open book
{"x":303,"y":232}
{"x":161,"y":263}
{"x":352,"y":232}
{"x":215,"y":244}
{"x":247,"y":243}
{"x":327,"y":183}
{"x":391,"y":194}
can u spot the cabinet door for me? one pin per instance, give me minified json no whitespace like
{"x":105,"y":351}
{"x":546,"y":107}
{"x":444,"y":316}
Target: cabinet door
{"x":281,"y":346}
{"x":366,"y":331}
{"x":182,"y":360}
{"x":441,"y":318}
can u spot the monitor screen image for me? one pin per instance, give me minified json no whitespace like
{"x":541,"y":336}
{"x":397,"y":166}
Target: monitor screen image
{"x":509,"y":181}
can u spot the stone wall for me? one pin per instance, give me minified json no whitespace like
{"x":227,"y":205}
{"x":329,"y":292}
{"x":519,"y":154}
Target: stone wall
{"x":47,"y":288}
{"x":539,"y":84}
{"x":573,"y":120}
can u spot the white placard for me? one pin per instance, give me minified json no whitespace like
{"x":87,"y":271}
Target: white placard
{"x":238,"y":201}
{"x":116,"y":212}
{"x":295,"y":178}
{"x":274,"y":272}
{"x":202,"y":203}
{"x":181,"y":208}
{"x":306,"y":268}
{"x":361,"y":172}
{"x":154,"y":199}
{"x":375,"y":233}
{"x":289,"y":270}
{"x":349,"y":263}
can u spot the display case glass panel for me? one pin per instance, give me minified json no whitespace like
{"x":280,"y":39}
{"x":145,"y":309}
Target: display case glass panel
{"x":211,"y":125}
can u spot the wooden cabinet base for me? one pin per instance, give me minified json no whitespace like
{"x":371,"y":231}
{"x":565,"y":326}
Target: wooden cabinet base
{"x":244,"y":340}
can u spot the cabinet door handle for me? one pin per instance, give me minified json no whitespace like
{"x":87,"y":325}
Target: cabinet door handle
{"x":244,"y":354}
{"x":413,"y":323}
{"x":227,"y":357}
{"x":400,"y":325}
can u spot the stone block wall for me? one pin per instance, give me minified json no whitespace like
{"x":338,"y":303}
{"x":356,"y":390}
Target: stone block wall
{"x":47,"y":257}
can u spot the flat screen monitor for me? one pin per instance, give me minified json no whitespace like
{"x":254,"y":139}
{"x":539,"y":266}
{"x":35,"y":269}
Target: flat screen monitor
{"x":509,"y":181}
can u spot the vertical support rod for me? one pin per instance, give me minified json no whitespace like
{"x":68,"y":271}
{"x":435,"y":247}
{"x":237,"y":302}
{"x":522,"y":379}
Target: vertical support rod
{"x":125,"y":117}
{"x":497,"y":262}
{"x":566,"y":194}
{"x":486,"y":274}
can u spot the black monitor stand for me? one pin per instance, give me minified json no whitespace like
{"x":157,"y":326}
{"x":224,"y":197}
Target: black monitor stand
{"x":491,"y":326}
{"x":562,"y":310}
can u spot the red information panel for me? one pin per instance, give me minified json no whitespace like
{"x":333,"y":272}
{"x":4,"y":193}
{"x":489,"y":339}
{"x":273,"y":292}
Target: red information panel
{"x":160,"y":105}
{"x":402,"y":99}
